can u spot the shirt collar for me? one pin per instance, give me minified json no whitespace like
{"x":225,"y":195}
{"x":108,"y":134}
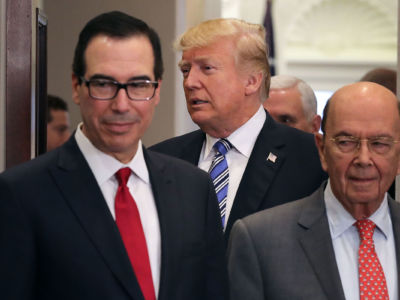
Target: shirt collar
{"x":341,"y":220}
{"x":104,"y":166}
{"x":243,"y":138}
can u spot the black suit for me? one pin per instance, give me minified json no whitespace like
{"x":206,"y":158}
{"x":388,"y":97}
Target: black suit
{"x":296,"y":172}
{"x":58,"y":239}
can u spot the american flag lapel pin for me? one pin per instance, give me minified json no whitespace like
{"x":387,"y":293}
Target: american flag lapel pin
{"x":272,"y":157}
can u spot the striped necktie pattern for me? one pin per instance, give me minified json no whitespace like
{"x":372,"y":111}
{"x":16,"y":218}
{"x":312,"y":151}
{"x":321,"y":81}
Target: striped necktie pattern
{"x":219,"y":173}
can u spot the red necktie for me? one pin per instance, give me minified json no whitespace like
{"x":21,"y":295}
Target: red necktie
{"x":131,"y":230}
{"x":371,"y":277}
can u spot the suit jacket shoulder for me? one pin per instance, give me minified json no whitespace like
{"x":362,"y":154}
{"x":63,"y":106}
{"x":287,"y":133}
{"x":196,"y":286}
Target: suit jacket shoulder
{"x":284,"y":252}
{"x":186,"y":147}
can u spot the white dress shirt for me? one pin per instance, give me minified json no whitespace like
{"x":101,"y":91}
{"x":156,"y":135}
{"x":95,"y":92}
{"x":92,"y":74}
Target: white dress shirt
{"x":104,"y":168}
{"x":346,"y":242}
{"x":242,"y":140}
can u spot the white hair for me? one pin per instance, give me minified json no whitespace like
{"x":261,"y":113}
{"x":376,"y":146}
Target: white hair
{"x":308,"y":98}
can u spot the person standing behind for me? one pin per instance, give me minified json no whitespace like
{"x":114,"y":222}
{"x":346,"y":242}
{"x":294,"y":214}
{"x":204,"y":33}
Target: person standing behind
{"x":101,"y":217}
{"x":255,"y":162}
{"x":292,"y":102}
{"x":343,"y":241}
{"x":58,"y":130}
{"x":382,"y":76}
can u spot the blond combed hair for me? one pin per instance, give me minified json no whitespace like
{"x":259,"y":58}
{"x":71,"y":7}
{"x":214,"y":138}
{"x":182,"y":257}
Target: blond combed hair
{"x":251,"y":48}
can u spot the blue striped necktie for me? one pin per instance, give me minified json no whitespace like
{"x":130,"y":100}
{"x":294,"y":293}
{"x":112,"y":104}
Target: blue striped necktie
{"x":220,"y":174}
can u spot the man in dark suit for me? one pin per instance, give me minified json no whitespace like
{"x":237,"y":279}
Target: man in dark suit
{"x":226,"y":78}
{"x":343,"y":241}
{"x":101,"y":217}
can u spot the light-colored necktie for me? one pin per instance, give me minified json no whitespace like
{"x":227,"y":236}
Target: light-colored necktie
{"x":131,"y":230}
{"x":219,"y":173}
{"x":371,"y":277}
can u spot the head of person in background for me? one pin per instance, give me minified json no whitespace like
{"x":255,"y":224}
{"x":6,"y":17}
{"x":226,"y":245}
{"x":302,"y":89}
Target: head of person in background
{"x":225,"y":73}
{"x":292,"y":102}
{"x":58,"y":127}
{"x":382,"y":76}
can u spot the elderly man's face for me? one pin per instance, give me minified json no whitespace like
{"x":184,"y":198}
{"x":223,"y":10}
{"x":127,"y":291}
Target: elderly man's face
{"x":286,"y":107}
{"x":216,"y":89}
{"x":115,"y":126}
{"x":360,"y":178}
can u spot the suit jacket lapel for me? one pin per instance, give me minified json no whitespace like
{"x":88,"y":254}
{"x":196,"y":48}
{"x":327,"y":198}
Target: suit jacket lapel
{"x":169,"y":210}
{"x":191,"y":150}
{"x":263,"y":165}
{"x":317,"y":245}
{"x":82,"y":193}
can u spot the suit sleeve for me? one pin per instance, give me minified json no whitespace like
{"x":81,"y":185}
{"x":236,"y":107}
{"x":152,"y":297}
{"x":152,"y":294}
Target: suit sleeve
{"x":217,"y":277}
{"x":243,"y":265}
{"x":16,"y":249}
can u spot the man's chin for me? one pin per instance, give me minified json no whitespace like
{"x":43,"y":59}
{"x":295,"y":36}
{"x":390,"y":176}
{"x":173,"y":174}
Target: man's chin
{"x":200,"y":118}
{"x":365,"y":197}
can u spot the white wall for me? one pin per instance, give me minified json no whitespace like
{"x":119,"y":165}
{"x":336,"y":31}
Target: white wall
{"x":331,"y":43}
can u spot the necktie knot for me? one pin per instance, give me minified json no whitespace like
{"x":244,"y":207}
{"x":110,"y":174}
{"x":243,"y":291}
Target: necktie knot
{"x":365,"y":229}
{"x":123,"y":175}
{"x":222,"y":146}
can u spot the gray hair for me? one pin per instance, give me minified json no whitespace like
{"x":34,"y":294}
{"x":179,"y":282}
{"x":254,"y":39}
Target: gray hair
{"x":308,"y":98}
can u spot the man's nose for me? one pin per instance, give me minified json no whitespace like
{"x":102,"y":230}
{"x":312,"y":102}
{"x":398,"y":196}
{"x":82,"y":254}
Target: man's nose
{"x":191,"y":81}
{"x":364,"y":154}
{"x":121,"y":101}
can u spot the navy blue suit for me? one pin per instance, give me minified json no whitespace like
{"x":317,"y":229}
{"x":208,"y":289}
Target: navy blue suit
{"x":296,"y":172}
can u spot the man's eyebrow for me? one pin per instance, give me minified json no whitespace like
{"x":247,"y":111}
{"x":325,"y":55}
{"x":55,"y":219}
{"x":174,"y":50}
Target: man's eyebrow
{"x":142,"y":77}
{"x":183,"y":63}
{"x":102,"y":76}
{"x":286,"y":116}
{"x":342,"y":133}
{"x":197,"y":60}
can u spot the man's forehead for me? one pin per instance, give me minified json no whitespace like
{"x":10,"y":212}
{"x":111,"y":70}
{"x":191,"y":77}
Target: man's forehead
{"x":356,"y":117}
{"x":125,"y":58}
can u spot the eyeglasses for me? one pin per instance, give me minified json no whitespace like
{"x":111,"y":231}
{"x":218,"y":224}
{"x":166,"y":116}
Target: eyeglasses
{"x":105,"y":89}
{"x":378,"y":145}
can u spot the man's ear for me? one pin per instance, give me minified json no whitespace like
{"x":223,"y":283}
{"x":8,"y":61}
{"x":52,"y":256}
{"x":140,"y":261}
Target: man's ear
{"x":253,"y":83}
{"x":320,"y":143}
{"x":316,"y":124}
{"x":157,"y":93}
{"x":76,"y":89}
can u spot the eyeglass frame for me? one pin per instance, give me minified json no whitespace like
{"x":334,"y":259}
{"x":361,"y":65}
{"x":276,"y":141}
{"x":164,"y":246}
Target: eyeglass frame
{"x":120,"y":86}
{"x":368,"y":140}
